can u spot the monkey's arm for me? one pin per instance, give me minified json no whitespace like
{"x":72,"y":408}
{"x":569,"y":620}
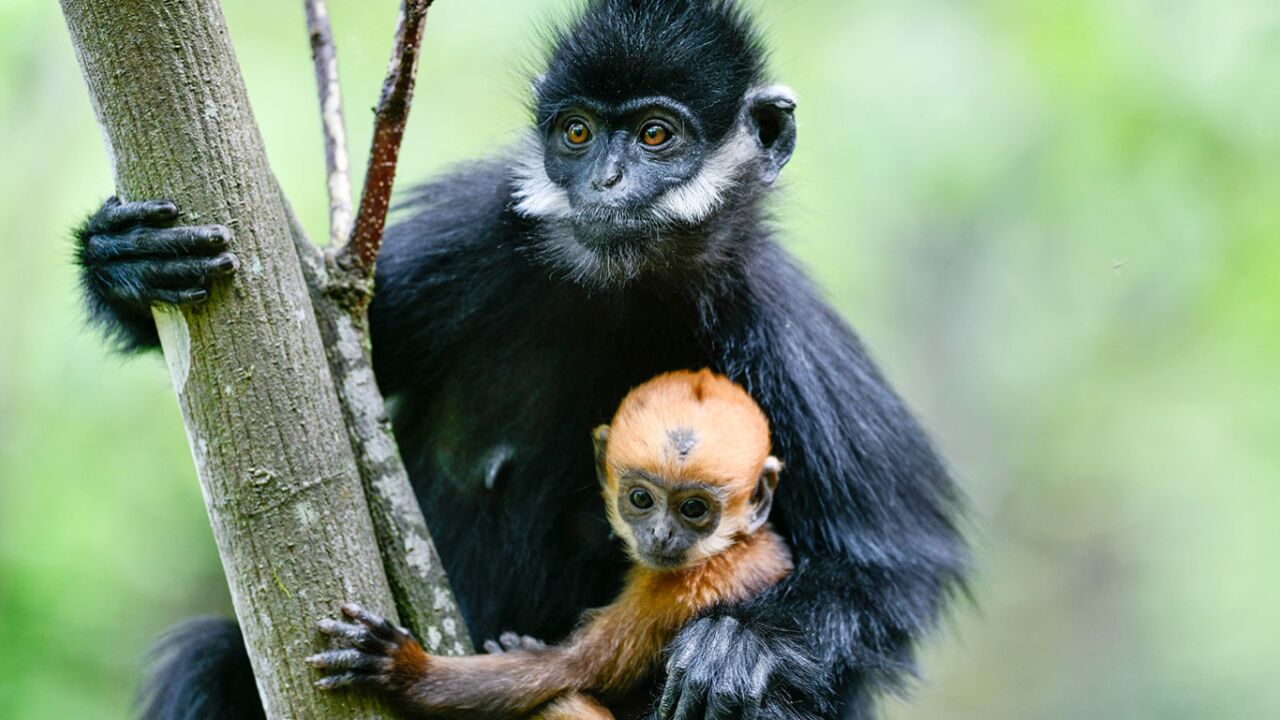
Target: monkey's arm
{"x":867,"y":508}
{"x":611,"y":652}
{"x":133,"y":255}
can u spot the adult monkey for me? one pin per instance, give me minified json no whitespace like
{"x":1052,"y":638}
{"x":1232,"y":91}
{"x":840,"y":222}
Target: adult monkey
{"x":525,"y":295}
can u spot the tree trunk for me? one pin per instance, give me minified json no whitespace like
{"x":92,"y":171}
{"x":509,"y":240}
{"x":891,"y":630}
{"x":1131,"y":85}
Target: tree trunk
{"x":263,"y":419}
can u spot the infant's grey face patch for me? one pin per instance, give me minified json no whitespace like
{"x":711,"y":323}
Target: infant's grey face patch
{"x":682,"y":441}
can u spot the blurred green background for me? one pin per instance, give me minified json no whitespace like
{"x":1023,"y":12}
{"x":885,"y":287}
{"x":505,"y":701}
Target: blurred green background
{"x":1056,"y":222}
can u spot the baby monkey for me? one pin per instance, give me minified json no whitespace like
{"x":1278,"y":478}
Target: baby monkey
{"x":688,"y":482}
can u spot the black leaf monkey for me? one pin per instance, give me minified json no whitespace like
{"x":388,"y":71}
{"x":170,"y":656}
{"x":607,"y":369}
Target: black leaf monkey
{"x":521,"y":298}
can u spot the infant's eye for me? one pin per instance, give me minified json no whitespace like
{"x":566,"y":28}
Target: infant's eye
{"x":655,"y":134}
{"x":641,"y":499}
{"x":577,"y":133}
{"x":693,"y":508}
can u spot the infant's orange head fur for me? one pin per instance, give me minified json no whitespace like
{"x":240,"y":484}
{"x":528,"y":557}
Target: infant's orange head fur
{"x":697,"y":425}
{"x":686,"y":434}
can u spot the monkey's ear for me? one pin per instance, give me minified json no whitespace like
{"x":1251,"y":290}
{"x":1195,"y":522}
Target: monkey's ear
{"x":600,"y":439}
{"x":762,"y":498}
{"x":771,"y":115}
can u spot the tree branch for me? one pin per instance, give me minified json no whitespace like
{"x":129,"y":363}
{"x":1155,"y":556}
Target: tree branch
{"x":361,"y":252}
{"x":340,"y":294}
{"x":337,"y":161}
{"x":409,"y":556}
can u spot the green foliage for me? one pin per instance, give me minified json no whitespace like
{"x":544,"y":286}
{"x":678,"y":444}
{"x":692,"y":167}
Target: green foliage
{"x":1054,"y":221}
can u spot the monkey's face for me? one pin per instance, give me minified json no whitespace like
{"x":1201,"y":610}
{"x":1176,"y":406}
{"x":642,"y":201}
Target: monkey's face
{"x":685,"y":468}
{"x":669,"y":525}
{"x":624,"y":188}
{"x":618,"y":165}
{"x":673,"y":522}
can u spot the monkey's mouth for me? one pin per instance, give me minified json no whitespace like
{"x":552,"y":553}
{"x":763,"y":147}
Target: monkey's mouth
{"x":601,"y":221}
{"x":662,"y":561}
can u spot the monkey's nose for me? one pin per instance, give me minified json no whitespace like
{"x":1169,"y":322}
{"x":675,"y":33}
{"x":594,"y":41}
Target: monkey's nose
{"x":608,"y":180}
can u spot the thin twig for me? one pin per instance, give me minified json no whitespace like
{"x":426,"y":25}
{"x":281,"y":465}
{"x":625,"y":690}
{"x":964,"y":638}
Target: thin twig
{"x":388,"y":130}
{"x":325,"y":58}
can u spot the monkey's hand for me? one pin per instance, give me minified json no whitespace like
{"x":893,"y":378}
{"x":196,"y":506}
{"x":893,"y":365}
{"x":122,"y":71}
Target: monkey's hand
{"x":373,"y":653}
{"x":721,"y":668}
{"x":509,"y":642}
{"x":132,"y":255}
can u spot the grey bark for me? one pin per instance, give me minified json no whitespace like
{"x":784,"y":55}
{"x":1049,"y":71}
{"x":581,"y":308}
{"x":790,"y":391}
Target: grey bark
{"x":263,"y":418}
{"x":413,"y":567}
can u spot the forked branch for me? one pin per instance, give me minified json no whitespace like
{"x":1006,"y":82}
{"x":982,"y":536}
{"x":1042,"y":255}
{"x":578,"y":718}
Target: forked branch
{"x":340,"y":293}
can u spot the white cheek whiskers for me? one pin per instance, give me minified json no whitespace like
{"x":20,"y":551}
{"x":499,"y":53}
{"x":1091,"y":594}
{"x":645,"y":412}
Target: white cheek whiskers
{"x":536,"y":195}
{"x":696,"y":199}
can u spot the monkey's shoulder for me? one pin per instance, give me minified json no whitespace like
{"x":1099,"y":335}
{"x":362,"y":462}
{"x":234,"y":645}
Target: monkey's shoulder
{"x":466,"y":209}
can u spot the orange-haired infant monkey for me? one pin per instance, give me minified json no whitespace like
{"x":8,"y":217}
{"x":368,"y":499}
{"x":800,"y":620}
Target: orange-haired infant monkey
{"x":688,"y":482}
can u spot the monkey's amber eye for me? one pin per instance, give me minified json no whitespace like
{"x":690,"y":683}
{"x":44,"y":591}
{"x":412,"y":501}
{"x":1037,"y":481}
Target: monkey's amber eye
{"x":655,"y":134}
{"x":641,"y":499}
{"x":577,"y":133}
{"x":693,"y":508}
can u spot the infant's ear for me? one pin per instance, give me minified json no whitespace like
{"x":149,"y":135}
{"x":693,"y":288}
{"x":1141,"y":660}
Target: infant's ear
{"x":772,"y":469}
{"x":762,"y":498}
{"x":600,"y":440}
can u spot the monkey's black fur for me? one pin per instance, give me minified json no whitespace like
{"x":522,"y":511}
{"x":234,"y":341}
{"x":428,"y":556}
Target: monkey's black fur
{"x":500,"y":364}
{"x":201,"y":672}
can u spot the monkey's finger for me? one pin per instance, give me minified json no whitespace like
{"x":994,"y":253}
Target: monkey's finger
{"x":347,"y":679}
{"x":186,"y":272}
{"x":182,"y":241}
{"x":380,"y":626}
{"x":493,"y":648}
{"x":693,"y":702}
{"x":338,"y":629}
{"x":671,"y":692}
{"x":678,"y":667}
{"x":144,"y":242}
{"x":355,"y":635}
{"x":186,"y":296}
{"x":512,"y":642}
{"x":755,"y":693}
{"x":117,"y":215}
{"x":350,"y":659}
{"x":144,"y":282}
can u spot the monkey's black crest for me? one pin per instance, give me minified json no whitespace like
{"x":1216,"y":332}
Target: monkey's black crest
{"x":704,"y":53}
